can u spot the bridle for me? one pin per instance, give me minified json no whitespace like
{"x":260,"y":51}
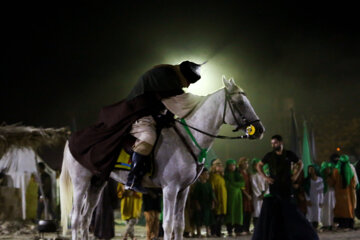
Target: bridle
{"x":234,"y":109}
{"x":245,"y":122}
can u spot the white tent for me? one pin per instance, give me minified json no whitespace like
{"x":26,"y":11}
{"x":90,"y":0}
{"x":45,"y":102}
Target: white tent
{"x":18,"y":164}
{"x":17,"y":158}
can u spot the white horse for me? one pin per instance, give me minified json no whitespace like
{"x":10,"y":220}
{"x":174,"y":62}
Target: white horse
{"x":175,"y":168}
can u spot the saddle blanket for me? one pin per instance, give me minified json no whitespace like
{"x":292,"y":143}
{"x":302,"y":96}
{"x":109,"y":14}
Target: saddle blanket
{"x":124,"y":161}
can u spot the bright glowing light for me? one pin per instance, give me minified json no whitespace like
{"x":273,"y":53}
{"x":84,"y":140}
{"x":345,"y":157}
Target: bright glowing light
{"x":210,"y":76}
{"x":210,"y":80}
{"x":338,"y":149}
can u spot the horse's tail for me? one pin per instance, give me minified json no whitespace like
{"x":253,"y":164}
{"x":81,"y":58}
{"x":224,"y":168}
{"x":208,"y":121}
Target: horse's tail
{"x":66,"y":190}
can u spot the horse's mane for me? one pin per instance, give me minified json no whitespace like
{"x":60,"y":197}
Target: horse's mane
{"x":206,"y":98}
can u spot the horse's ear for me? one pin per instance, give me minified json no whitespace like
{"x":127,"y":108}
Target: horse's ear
{"x":232,"y":82}
{"x":225,"y":82}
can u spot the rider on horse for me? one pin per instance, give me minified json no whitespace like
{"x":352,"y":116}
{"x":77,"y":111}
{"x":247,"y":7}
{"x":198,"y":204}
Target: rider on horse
{"x":165,"y":81}
{"x":158,"y":90}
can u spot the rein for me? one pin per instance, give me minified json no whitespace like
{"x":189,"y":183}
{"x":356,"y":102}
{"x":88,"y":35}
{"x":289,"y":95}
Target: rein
{"x":199,"y":164}
{"x":185,"y":143}
{"x":209,"y":134}
{"x":233,"y":109}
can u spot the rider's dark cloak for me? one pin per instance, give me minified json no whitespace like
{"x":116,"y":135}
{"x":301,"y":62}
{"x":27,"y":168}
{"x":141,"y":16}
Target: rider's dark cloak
{"x":97,"y":147}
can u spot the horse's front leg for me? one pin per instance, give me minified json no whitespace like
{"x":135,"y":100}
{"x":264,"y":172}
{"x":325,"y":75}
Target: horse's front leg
{"x":179,"y":213}
{"x":169,"y":201}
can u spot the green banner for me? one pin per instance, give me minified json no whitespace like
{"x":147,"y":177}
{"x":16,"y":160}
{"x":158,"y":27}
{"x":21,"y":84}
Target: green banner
{"x":306,"y":152}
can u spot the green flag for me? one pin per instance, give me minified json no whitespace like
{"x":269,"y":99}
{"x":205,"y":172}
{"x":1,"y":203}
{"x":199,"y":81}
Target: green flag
{"x":312,"y":143}
{"x":306,"y":152}
{"x":294,"y":138}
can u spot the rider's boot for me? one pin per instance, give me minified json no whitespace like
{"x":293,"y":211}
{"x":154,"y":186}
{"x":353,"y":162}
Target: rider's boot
{"x":136,"y":173}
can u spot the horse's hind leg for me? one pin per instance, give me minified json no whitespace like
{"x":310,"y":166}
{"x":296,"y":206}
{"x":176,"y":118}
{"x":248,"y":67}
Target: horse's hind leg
{"x":80,"y":177}
{"x":91,"y":199}
{"x":76,"y":218}
{"x":179,"y":224}
{"x":169,"y":199}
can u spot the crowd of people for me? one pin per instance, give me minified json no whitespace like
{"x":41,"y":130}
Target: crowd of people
{"x":225,"y":196}
{"x":230,"y":194}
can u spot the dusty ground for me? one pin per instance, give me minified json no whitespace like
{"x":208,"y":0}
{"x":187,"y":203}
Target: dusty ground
{"x":140,"y":234}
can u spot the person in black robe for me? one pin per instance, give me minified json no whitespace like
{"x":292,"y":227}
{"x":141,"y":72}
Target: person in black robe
{"x":102,"y":223}
{"x":98,"y":146}
{"x":280,"y":219}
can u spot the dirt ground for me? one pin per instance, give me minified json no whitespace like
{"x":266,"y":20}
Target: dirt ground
{"x":140,"y":234}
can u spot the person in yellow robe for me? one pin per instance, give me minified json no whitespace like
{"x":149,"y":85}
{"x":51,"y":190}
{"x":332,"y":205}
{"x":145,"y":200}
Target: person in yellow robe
{"x":345,"y":194}
{"x":31,"y":198}
{"x":130,"y":208}
{"x":217,"y":182}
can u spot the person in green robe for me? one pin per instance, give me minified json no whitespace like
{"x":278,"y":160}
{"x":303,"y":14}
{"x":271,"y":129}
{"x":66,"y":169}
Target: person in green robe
{"x":234,"y":186}
{"x":204,"y":200}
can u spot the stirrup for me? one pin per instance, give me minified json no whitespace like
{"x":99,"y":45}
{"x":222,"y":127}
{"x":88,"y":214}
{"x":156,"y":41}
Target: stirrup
{"x":129,"y":186}
{"x":139,"y":188}
{"x":136,"y":188}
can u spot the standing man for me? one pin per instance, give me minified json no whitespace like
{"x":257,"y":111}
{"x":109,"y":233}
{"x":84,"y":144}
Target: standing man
{"x":280,"y":219}
{"x":152,"y":209}
{"x":130,"y":209}
{"x":46,"y":185}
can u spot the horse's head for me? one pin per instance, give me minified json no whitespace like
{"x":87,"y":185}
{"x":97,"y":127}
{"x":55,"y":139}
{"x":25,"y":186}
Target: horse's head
{"x":239,"y":112}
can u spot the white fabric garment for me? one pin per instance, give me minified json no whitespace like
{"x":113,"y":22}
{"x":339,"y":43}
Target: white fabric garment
{"x":144,"y":129}
{"x":327,"y":212}
{"x":182,"y":105}
{"x":355,"y":175}
{"x":356,"y":181}
{"x":316,"y":198}
{"x":259,"y":186}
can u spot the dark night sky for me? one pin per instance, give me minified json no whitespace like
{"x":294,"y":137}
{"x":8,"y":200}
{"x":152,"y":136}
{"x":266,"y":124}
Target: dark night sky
{"x":63,"y":62}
